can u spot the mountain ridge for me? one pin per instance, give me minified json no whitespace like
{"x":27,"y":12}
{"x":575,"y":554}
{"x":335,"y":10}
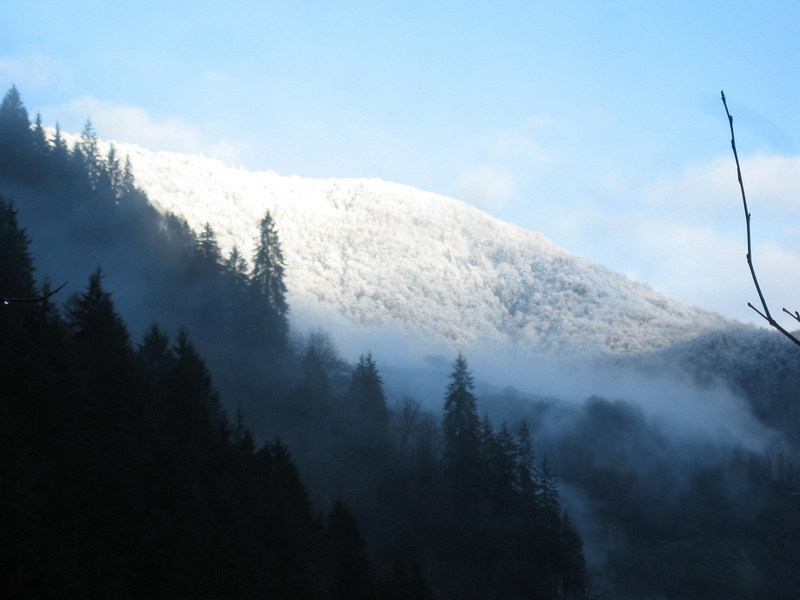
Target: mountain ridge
{"x":368,"y":254}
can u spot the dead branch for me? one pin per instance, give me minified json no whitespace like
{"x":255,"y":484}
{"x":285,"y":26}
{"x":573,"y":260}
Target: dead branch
{"x":39,"y":299}
{"x":766,"y":315}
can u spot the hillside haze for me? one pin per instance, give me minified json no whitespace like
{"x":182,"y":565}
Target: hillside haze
{"x":372,"y":256}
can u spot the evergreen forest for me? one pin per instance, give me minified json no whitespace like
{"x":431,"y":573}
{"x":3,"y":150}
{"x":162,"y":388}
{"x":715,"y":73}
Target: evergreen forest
{"x":163,"y":433}
{"x":165,"y":463}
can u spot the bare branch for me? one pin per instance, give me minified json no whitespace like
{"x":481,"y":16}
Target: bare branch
{"x":766,"y":315}
{"x":795,"y":315}
{"x":39,"y":299}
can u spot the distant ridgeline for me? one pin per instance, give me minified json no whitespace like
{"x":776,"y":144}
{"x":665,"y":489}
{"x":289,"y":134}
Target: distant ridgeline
{"x":127,"y":475}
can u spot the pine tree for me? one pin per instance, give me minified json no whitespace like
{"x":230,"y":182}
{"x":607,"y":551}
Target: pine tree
{"x":367,"y":397}
{"x":208,"y":247}
{"x":90,"y":153}
{"x":155,"y":356}
{"x":100,"y":341}
{"x":113,"y":171}
{"x":59,"y":156}
{"x":548,"y":503}
{"x":502,"y":469}
{"x":266,"y":279}
{"x":526,"y":466}
{"x":236,"y":270}
{"x":574,"y":577}
{"x":197,"y":400}
{"x":128,"y":181}
{"x":349,"y":573}
{"x":96,"y":325}
{"x":461,"y":427}
{"x":39,"y":138}
{"x":16,"y":265}
{"x":16,"y":137}
{"x":15,"y":124}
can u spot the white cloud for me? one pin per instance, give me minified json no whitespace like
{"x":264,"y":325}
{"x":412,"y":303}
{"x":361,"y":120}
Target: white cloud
{"x":685,"y":233}
{"x":688,"y":237}
{"x":770,"y":182}
{"x":486,"y":187}
{"x":124,"y":123}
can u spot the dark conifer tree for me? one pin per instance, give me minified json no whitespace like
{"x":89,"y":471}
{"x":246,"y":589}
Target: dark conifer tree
{"x":14,"y":120}
{"x":549,"y":502}
{"x":313,"y":393}
{"x":236,"y":270}
{"x":39,"y":138}
{"x":208,"y":248}
{"x":525,"y":479}
{"x":98,"y":332}
{"x":127,"y":181}
{"x":502,"y":470}
{"x":78,"y":175}
{"x":267,"y":280}
{"x":59,"y":155}
{"x":16,"y":137}
{"x":90,"y":153}
{"x":197,"y":400}
{"x":461,"y":428}
{"x":113,"y":172}
{"x":16,"y":265}
{"x":367,"y":397}
{"x":157,"y":361}
{"x":574,"y":577}
{"x":349,"y":574}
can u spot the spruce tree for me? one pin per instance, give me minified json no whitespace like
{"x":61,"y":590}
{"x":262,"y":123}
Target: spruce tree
{"x":97,"y":328}
{"x":16,"y":265}
{"x":102,"y":350}
{"x":367,"y":397}
{"x":59,"y":155}
{"x":461,"y":427}
{"x":236,"y":270}
{"x":113,"y":171}
{"x":348,"y":570}
{"x":90,"y":153}
{"x":39,"y":138}
{"x":195,"y":399}
{"x":16,"y":137}
{"x":266,"y":280}
{"x":127,"y":181}
{"x":526,"y":466}
{"x":208,"y":247}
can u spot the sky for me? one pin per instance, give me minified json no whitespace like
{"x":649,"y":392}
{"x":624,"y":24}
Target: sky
{"x":597,"y":123}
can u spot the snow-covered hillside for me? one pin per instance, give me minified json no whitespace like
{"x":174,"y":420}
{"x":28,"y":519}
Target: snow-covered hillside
{"x":372,"y":254}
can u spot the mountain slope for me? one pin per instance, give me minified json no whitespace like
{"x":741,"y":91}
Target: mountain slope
{"x":383,"y":254}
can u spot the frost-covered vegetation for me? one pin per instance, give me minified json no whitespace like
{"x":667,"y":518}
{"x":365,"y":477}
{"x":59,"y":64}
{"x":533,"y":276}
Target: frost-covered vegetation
{"x":381,"y":253}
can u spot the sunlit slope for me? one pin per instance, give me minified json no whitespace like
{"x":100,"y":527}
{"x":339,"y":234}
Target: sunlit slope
{"x":380,"y":253}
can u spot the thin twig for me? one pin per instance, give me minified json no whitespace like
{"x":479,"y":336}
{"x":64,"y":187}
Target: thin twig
{"x":39,"y":299}
{"x":795,"y":315}
{"x":766,"y":315}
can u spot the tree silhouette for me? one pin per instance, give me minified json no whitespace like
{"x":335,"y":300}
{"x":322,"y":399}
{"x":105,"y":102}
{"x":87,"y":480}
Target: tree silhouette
{"x":460,"y":426}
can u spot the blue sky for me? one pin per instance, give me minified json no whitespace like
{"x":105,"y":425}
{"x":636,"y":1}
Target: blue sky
{"x":597,"y":123}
